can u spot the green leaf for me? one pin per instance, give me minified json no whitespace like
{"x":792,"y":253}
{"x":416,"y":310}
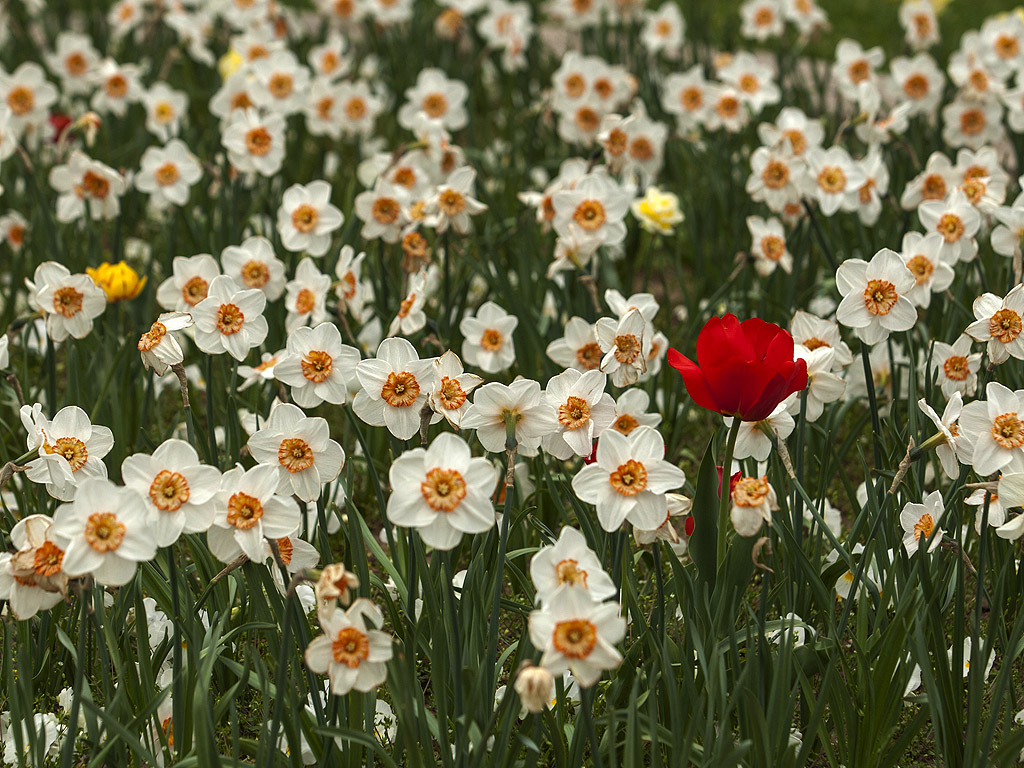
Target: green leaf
{"x":704,"y":540}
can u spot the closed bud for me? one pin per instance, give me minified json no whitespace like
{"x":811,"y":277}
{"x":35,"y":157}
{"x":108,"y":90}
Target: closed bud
{"x":535,"y":686}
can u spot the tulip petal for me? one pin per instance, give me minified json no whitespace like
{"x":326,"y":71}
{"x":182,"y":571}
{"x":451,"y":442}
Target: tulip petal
{"x":693,"y":378}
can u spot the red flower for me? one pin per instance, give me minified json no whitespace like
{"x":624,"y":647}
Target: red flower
{"x":59,"y":122}
{"x":743,"y":369}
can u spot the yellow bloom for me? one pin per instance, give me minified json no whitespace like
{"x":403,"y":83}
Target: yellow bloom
{"x":657,"y":211}
{"x":229,"y":63}
{"x":118,"y":281}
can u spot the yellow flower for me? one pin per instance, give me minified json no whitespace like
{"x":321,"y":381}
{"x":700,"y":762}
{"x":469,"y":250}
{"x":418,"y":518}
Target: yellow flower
{"x":657,"y":211}
{"x":229,"y":63}
{"x":118,"y":281}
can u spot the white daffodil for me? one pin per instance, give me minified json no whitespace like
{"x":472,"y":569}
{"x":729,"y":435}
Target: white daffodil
{"x":956,"y":367}
{"x":167,"y":174}
{"x":957,"y":221}
{"x":953,"y":447}
{"x":994,"y":428}
{"x":306,"y":296}
{"x":442,"y":491}
{"x":105,"y":532}
{"x":578,"y":347}
{"x":395,"y":386}
{"x":584,"y":411}
{"x":753,"y":500}
{"x":349,"y":652}
{"x":567,"y":564}
{"x":158,"y":346}
{"x":306,"y":218}
{"x":452,"y":385}
{"x":523,"y":403}
{"x":999,"y":322}
{"x":255,"y":143}
{"x":70,"y":302}
{"x":177,"y":487}
{"x":487,"y":338}
{"x":254,"y":265}
{"x":317,"y":366}
{"x":875,"y":299}
{"x":189,"y":282}
{"x":578,"y":634}
{"x":302,"y":450}
{"x":230,"y":320}
{"x":626,"y":344}
{"x":249,"y":509}
{"x":629,"y":480}
{"x":71,"y":449}
{"x":32,"y":579}
{"x":823,"y":386}
{"x":921,"y":521}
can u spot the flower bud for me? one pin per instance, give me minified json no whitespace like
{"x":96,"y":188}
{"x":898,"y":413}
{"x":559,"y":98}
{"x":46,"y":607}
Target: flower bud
{"x":535,"y":686}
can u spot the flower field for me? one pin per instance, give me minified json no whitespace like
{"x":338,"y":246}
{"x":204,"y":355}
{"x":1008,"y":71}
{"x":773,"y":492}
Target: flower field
{"x":476,"y":383}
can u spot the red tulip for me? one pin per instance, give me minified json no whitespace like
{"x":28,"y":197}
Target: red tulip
{"x":743,"y":369}
{"x":59,"y":122}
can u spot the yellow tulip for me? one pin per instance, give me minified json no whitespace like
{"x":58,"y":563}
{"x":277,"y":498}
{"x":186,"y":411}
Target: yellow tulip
{"x":118,"y":281}
{"x":229,"y":63}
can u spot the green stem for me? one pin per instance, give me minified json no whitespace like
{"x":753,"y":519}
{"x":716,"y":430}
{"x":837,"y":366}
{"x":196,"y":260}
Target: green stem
{"x":587,"y":696}
{"x":723,"y":491}
{"x":68,"y":750}
{"x":177,"y":695}
{"x":492,"y":640}
{"x":456,"y":649}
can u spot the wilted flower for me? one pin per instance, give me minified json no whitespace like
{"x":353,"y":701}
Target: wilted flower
{"x":753,"y":500}
{"x":535,"y":687}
